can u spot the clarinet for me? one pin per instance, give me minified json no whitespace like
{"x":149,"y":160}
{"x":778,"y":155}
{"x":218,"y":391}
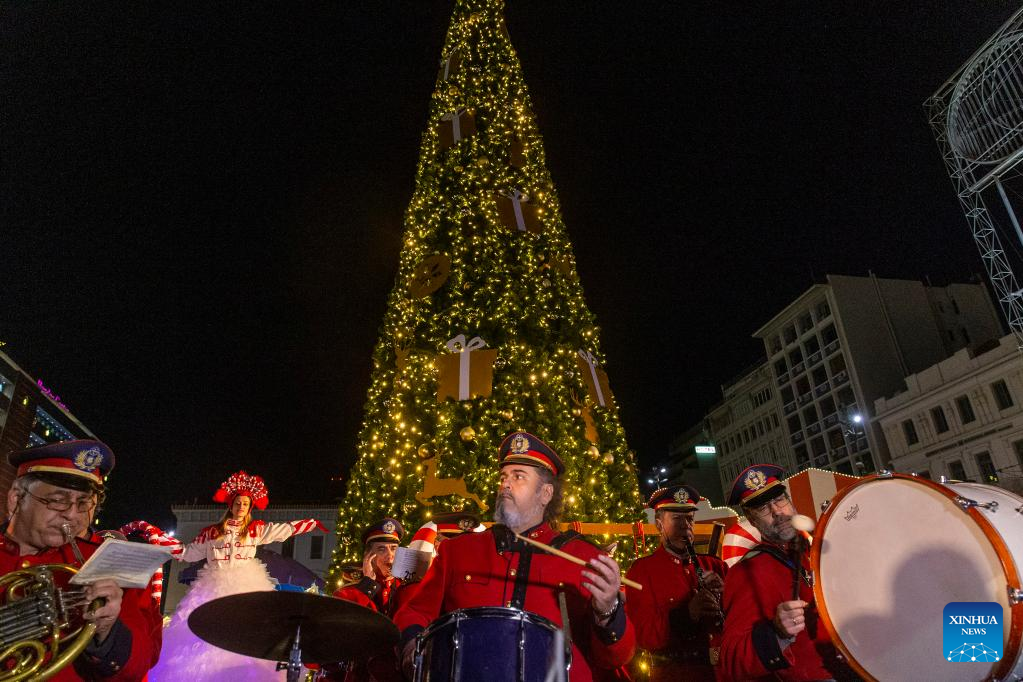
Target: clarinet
{"x":719,"y":619}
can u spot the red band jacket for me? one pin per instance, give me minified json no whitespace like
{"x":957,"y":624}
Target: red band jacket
{"x":660,"y":612}
{"x":482,"y":569}
{"x":133,"y":645}
{"x":750,"y":648}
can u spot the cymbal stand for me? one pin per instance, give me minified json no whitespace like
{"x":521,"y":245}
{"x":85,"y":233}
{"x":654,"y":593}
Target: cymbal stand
{"x":294,"y":664}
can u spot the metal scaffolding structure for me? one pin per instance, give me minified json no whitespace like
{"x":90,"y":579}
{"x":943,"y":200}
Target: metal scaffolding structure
{"x":977,"y":120}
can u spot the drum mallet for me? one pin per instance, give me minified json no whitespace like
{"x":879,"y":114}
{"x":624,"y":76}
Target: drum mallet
{"x":803,"y":525}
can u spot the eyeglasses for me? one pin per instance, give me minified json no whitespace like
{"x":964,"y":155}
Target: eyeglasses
{"x":780,"y":504}
{"x":82,"y":505}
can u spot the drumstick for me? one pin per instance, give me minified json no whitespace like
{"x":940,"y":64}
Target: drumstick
{"x":802,"y":525}
{"x":573,"y":559}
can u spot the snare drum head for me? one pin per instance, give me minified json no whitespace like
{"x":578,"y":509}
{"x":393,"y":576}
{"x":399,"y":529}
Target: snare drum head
{"x":890,"y":554}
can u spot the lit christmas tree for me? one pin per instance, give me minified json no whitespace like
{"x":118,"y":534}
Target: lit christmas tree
{"x":486,"y":329}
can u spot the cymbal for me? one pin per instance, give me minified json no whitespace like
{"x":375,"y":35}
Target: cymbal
{"x":263,"y":624}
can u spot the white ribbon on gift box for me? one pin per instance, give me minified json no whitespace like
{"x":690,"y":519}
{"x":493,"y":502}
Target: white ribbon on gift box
{"x":516,"y":201}
{"x":590,"y":360}
{"x":458,"y":344}
{"x":456,"y":124}
{"x":446,"y":64}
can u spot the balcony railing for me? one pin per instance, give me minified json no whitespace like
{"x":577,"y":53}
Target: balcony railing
{"x":805,"y":398}
{"x":790,"y":407}
{"x":797,"y":437}
{"x":841,"y":378}
{"x":798,"y":369}
{"x":832,"y":347}
{"x":821,"y":389}
{"x":814,"y":359}
{"x":831,"y":419}
{"x":783,"y":379}
{"x":813,"y":428}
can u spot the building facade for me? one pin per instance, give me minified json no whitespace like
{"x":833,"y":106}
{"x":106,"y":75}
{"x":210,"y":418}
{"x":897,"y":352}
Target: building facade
{"x":961,"y":418}
{"x":851,"y":340}
{"x":312,"y":550}
{"x":31,"y":414}
{"x":746,"y":426}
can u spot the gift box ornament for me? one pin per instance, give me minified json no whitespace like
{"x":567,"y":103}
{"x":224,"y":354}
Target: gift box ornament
{"x":517,"y":213}
{"x":450,"y":65}
{"x":466,"y":372}
{"x":455,"y":126}
{"x":595,"y":378}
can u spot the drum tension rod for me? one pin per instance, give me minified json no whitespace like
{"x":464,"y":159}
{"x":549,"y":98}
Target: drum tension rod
{"x":1015,"y":595}
{"x":965,"y":503}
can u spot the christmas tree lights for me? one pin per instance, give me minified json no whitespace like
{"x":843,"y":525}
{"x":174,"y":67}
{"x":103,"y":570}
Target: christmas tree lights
{"x":486,"y":323}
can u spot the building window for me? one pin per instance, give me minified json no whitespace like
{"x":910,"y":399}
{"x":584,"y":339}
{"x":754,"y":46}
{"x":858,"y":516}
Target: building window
{"x":909,"y":430}
{"x":775,"y":344}
{"x":790,"y":334}
{"x":823,"y":310}
{"x":780,"y":367}
{"x":956,"y":471}
{"x":987,"y":468}
{"x":965,"y":407}
{"x":316,"y":547}
{"x":938,"y":417}
{"x":1002,"y":396}
{"x":805,"y":323}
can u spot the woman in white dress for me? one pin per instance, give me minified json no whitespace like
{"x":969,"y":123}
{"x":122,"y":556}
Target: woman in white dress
{"x":229,"y":548}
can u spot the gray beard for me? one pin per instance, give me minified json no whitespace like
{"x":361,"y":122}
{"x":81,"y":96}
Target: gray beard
{"x":770,"y":534}
{"x":507,"y":513}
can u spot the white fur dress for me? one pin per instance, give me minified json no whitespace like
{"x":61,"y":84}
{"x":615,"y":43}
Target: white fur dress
{"x":231,"y":568}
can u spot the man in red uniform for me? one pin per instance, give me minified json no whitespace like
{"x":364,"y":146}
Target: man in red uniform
{"x":493,"y":568}
{"x":61,"y":484}
{"x":376,"y":586}
{"x":677,"y":609}
{"x":768,"y":634}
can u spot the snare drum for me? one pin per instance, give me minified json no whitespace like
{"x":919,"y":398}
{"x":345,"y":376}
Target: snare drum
{"x":892,"y":550}
{"x":487,"y":643}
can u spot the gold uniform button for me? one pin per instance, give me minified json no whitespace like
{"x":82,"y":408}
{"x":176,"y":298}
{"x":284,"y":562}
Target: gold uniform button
{"x":26,"y":564}
{"x":468,"y":577}
{"x":512,"y":572}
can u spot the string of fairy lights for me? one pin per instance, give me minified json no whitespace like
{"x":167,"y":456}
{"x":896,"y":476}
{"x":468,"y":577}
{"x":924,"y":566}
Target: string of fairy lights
{"x":516,"y":289}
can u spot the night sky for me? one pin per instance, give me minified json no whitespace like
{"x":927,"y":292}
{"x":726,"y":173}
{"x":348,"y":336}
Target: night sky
{"x":201,"y":203}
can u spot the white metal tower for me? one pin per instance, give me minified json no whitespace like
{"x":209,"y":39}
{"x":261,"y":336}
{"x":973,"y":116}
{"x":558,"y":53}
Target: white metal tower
{"x":977,"y":119}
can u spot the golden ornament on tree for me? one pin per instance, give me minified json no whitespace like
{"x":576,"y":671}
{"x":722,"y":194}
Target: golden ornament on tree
{"x":507,"y":414}
{"x":429,"y":275}
{"x":424,"y":451}
{"x":609,"y":458}
{"x":467,"y":434}
{"x":593,"y":452}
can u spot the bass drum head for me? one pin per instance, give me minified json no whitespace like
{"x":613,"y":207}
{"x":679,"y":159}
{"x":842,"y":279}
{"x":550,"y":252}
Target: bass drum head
{"x":890,"y":553}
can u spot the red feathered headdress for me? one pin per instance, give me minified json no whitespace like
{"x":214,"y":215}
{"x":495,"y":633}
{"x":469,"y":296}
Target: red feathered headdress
{"x":241,"y":483}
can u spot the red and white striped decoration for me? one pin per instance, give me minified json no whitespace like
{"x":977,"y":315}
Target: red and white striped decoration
{"x":740,"y":538}
{"x":307,"y":525}
{"x":811,"y":488}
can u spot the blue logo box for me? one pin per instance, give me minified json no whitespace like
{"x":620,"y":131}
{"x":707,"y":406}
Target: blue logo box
{"x":972,"y":632}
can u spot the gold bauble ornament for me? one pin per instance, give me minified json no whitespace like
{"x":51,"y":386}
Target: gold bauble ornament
{"x":453,"y":90}
{"x":424,"y":451}
{"x":467,"y":434}
{"x":609,"y":458}
{"x":482,"y":161}
{"x":507,"y":414}
{"x":593,"y":452}
{"x":458,"y":169}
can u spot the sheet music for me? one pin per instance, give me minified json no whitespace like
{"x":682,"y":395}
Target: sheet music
{"x":410,"y":564}
{"x":129,"y":564}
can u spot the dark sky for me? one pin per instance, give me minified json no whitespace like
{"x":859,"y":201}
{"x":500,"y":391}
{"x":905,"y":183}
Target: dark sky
{"x":201,"y":203}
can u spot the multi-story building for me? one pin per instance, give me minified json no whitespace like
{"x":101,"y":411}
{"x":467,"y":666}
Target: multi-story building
{"x":312,"y":550}
{"x":30,"y":414}
{"x":746,"y":426}
{"x":693,"y":459}
{"x":961,"y":418}
{"x":845,"y":343}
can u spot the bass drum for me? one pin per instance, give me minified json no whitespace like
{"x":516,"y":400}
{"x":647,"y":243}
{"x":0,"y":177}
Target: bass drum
{"x":892,"y":550}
